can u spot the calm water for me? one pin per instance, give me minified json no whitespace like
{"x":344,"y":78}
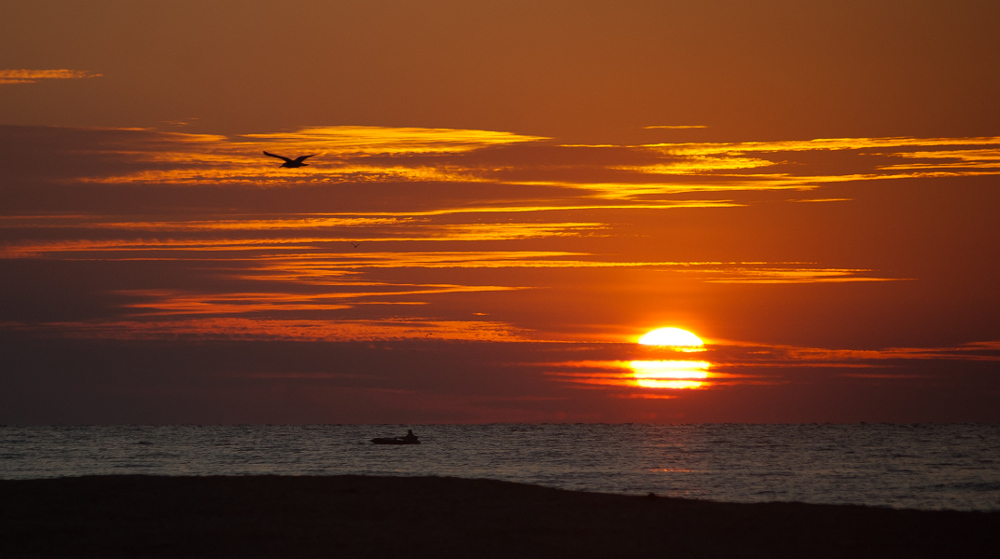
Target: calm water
{"x":911,"y":466}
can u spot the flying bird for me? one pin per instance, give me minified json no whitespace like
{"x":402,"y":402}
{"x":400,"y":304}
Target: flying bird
{"x":291,"y":163}
{"x":356,"y":245}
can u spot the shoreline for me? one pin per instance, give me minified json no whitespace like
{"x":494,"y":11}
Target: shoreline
{"x":381,"y":516}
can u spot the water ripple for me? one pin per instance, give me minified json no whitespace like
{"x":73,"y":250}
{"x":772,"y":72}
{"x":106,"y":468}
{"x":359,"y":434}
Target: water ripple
{"x":913,"y":466}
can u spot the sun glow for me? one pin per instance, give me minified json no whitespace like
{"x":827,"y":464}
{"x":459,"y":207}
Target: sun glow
{"x":669,"y":374}
{"x":675,"y":374}
{"x":675,"y":384}
{"x":675,"y":338}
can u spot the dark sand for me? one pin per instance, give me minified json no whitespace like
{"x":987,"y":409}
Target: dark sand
{"x":352,"y":516}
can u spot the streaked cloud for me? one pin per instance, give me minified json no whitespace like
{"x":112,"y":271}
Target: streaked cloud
{"x":33,"y":76}
{"x":311,"y":256}
{"x":292,"y":330}
{"x":973,"y":351}
{"x":628,"y":174}
{"x":730,"y":364}
{"x":172,"y":302}
{"x":350,"y":140}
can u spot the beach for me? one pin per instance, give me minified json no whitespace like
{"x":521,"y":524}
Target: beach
{"x":367,"y":516}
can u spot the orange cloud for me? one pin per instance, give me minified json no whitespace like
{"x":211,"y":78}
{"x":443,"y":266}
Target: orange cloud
{"x":291,"y":330}
{"x":32,"y":76}
{"x":674,"y":127}
{"x":339,"y":140}
{"x":168,"y":302}
{"x":625,"y":173}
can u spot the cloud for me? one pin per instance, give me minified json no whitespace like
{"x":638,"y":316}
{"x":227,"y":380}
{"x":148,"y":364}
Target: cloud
{"x":530,"y":171}
{"x":352,"y":140}
{"x":625,"y":173}
{"x":32,"y":76}
{"x":730,"y":364}
{"x":298,"y":330}
{"x":302,"y":257}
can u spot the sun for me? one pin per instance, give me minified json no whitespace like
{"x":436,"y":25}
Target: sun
{"x":674,"y":338}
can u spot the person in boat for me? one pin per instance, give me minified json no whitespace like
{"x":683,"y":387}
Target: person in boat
{"x":410,"y":437}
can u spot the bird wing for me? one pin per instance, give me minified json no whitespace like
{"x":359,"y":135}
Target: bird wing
{"x":278,"y":156}
{"x":302,"y":158}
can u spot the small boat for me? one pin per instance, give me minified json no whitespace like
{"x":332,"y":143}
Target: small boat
{"x":393,"y":440}
{"x":409,"y":438}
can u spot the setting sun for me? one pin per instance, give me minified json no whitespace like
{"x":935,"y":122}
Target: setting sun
{"x":674,"y":373}
{"x":670,"y":374}
{"x":674,"y":338}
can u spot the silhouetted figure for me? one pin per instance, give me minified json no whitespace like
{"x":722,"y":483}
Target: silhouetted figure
{"x":291,"y":163}
{"x":355,"y":244}
{"x":410,"y":437}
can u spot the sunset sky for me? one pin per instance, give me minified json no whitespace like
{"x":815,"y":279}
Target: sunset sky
{"x":503,"y":198}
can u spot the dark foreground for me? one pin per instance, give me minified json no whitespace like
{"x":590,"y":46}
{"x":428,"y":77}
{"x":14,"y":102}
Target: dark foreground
{"x":352,"y":516}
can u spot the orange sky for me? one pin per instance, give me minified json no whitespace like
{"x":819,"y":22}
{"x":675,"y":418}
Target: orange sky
{"x":504,"y":196}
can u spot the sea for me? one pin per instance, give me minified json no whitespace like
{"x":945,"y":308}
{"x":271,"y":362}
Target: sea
{"x":917,"y":466}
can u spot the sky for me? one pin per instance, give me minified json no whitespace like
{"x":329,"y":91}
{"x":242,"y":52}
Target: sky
{"x":502,"y":198}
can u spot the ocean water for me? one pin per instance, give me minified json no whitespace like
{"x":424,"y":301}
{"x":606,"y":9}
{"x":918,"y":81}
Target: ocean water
{"x":922,"y":466}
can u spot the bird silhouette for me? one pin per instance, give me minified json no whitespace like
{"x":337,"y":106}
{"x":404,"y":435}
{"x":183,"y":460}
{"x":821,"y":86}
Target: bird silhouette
{"x":291,"y":163}
{"x":355,"y":244}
